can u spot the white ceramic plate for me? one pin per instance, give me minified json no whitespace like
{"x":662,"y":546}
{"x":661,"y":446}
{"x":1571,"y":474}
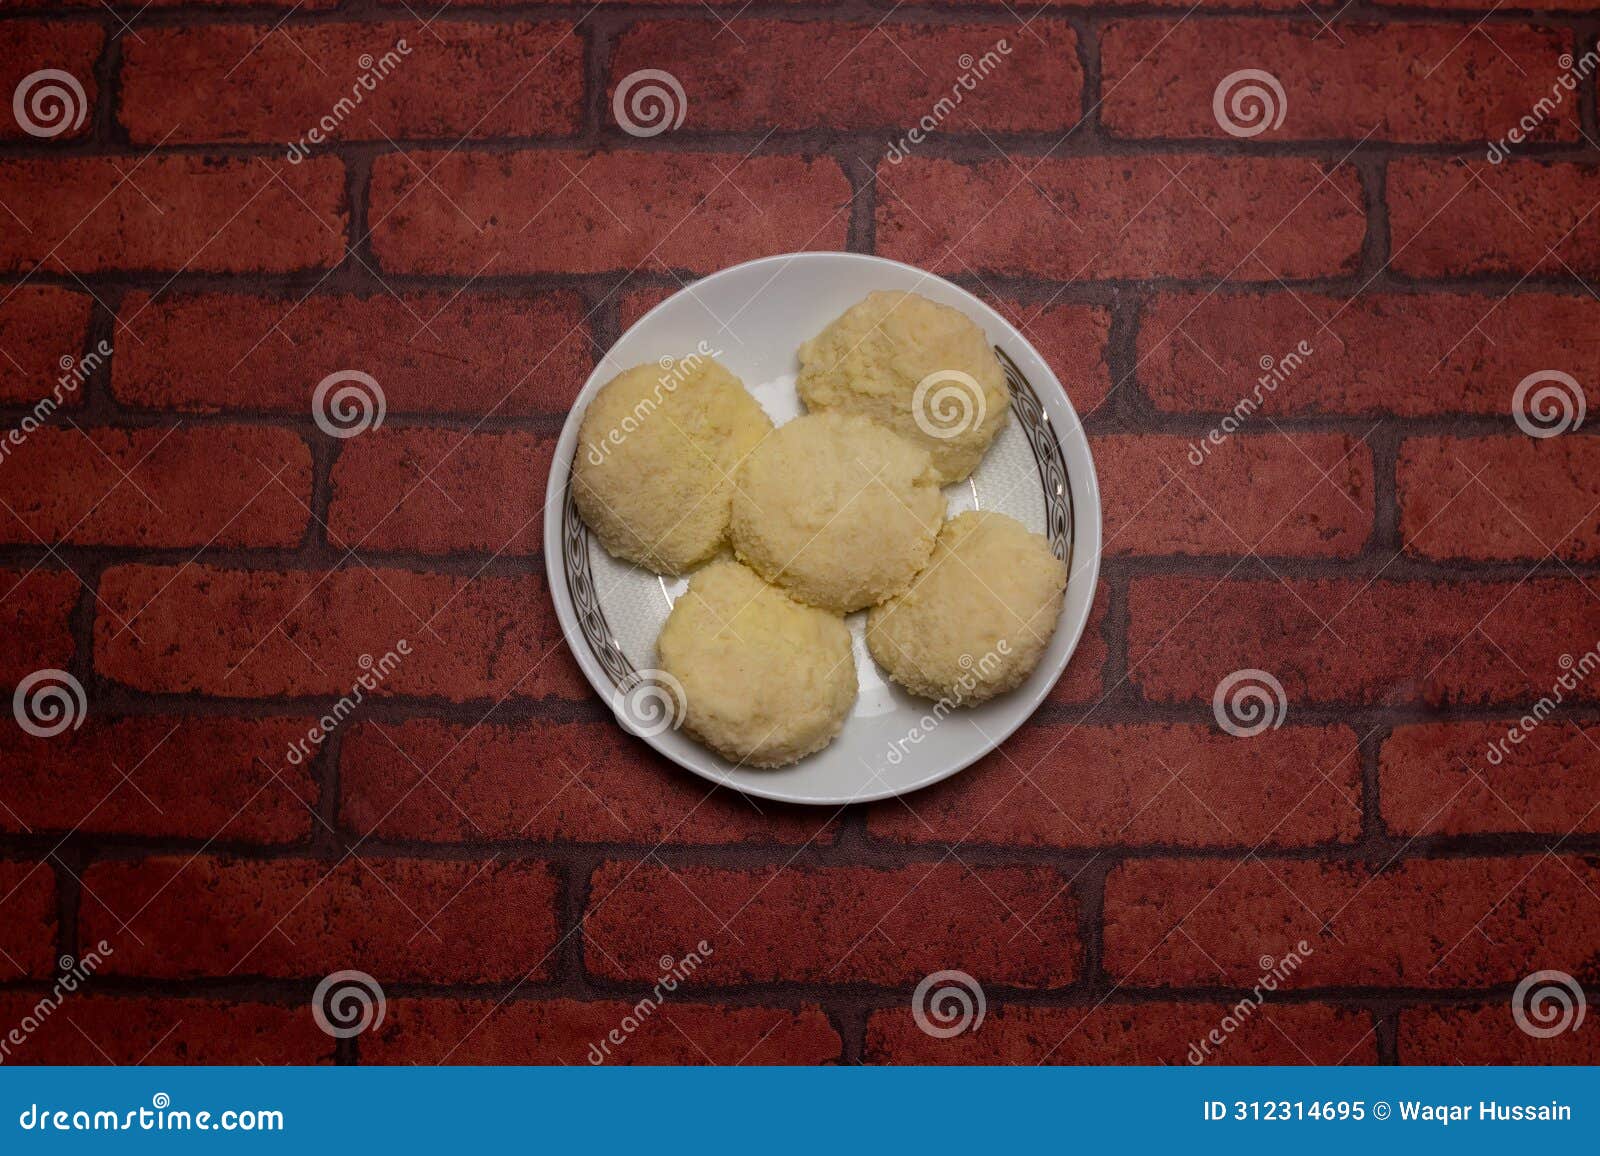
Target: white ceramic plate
{"x":1039,"y":471}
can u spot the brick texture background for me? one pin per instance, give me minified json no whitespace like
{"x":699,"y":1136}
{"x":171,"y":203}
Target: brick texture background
{"x":180,"y":536}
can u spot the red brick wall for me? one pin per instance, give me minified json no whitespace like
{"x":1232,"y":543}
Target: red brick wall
{"x":210,"y":565}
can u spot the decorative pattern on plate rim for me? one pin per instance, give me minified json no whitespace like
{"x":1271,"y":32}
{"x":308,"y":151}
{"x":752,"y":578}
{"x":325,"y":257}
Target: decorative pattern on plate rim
{"x":1036,"y":427}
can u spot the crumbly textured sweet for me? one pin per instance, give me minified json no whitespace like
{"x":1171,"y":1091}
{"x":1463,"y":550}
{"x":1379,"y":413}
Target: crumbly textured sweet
{"x":837,"y":509}
{"x":766,"y":681}
{"x":923,"y":369}
{"x":656,"y":452}
{"x":975,"y":622}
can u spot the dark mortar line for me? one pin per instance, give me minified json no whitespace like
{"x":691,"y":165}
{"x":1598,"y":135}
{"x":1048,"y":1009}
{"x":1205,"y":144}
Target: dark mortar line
{"x":1127,"y":403}
{"x":349,"y":280}
{"x":1388,"y":1035}
{"x":578,"y":866}
{"x":1375,"y":250}
{"x":1383,"y":854}
{"x":108,"y":81}
{"x":69,"y":898}
{"x":794,"y":995}
{"x":98,"y":405}
{"x":357,"y":237}
{"x":861,"y":230}
{"x":1374,"y":831}
{"x":1586,"y":32}
{"x":80,"y":627}
{"x":114,"y":700}
{"x":326,"y":836}
{"x":849,"y":1019}
{"x":870,"y":142}
{"x":1089,"y":889}
{"x":1086,"y":31}
{"x":1115,"y":630}
{"x":1384,"y":444}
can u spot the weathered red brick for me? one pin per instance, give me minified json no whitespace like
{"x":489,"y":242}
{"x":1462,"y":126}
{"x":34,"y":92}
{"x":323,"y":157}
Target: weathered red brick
{"x":93,"y":1030}
{"x":1497,"y":498}
{"x":27,"y":47}
{"x":1455,"y":353}
{"x":1010,"y":926}
{"x":1275,"y":494}
{"x":1443,"y":923}
{"x":242,"y":633}
{"x":731,"y":15}
{"x":1402,"y":82}
{"x":568,"y":212}
{"x":581,"y":782}
{"x":564,"y":1031}
{"x":171,"y":213}
{"x":1072,"y":339}
{"x":307,"y":6}
{"x":1244,"y":218}
{"x":27,"y":920}
{"x":1452,"y":218}
{"x":428,"y":921}
{"x":194,"y":486}
{"x":35,"y":629}
{"x":1099,"y":786}
{"x":635,"y":303}
{"x":1487,"y":6}
{"x":863,"y":76}
{"x":1485,"y":1035}
{"x":1142,"y":1033}
{"x":201,"y":778}
{"x":1437,"y":778}
{"x":472,"y":353}
{"x":41,"y":325}
{"x":425,"y":489}
{"x":1084,"y":681}
{"x":1384,"y":642}
{"x":270,"y":83}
